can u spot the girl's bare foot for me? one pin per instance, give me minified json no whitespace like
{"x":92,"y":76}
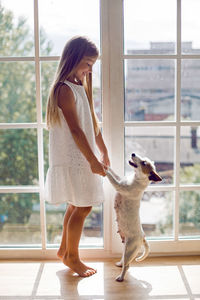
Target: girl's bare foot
{"x":61,"y":253}
{"x":78,"y":267}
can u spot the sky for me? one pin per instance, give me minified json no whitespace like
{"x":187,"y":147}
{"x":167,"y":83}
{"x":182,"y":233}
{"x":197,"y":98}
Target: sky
{"x":145,"y":20}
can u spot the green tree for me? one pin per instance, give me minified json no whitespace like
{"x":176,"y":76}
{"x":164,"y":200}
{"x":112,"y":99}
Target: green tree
{"x":189,"y":208}
{"x":18,"y":147}
{"x":190,"y":201}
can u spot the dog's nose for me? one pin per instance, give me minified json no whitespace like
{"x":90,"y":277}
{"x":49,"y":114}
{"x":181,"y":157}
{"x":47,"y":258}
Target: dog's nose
{"x":133,"y":154}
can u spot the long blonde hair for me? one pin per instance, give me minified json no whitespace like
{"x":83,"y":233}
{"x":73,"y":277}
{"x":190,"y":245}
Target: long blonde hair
{"x":74,"y":51}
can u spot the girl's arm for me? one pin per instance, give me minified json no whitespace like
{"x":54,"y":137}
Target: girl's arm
{"x":66,"y":102}
{"x":103,"y":150}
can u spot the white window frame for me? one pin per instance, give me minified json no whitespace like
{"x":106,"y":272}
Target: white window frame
{"x":113,"y":124}
{"x":117,"y":125}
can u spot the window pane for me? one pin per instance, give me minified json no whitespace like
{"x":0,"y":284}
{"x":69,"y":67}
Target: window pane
{"x":48,"y":70}
{"x":54,"y":222}
{"x":149,"y":90}
{"x":190,"y":155}
{"x":16,"y":28}
{"x":156,"y":143}
{"x":46,"y":150}
{"x":93,"y":229}
{"x":92,"y":235}
{"x":190,"y":89}
{"x":18,"y":157}
{"x":147,"y":24}
{"x":189,"y":214}
{"x":190,"y":26}
{"x":19,"y":219}
{"x":156,"y":214}
{"x":60,"y":20}
{"x":96,"y":82}
{"x":17,"y":89}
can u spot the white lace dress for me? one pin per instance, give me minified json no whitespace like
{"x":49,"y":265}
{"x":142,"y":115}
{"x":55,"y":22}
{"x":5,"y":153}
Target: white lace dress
{"x":69,"y":177}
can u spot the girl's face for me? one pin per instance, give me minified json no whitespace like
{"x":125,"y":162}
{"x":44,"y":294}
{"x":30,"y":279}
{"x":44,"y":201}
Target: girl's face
{"x":84,"y":67}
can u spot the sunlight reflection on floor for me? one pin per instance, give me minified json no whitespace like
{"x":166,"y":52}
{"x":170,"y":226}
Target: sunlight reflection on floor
{"x":93,"y":285}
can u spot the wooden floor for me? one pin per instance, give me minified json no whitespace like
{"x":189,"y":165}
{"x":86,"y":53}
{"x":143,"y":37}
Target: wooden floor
{"x":155,"y":278}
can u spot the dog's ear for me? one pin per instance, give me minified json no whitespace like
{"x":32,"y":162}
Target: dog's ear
{"x":154,"y":176}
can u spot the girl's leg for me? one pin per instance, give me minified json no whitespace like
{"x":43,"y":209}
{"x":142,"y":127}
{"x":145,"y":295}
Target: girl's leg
{"x":74,"y":230}
{"x":63,"y":245}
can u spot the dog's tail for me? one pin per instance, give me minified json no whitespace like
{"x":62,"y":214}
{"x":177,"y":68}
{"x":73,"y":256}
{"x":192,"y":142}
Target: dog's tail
{"x":145,"y":253}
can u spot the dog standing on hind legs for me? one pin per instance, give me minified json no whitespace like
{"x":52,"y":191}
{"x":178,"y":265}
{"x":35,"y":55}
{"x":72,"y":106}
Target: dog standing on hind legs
{"x":127,"y":204}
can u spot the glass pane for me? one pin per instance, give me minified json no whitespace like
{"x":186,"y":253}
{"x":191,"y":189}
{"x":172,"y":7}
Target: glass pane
{"x":190,"y":89}
{"x":48,"y":70}
{"x":93,"y":229}
{"x":92,"y":235}
{"x":156,"y":214}
{"x":60,"y":20}
{"x":54,"y":222}
{"x":190,"y":155}
{"x":46,"y":150}
{"x":190,"y":26}
{"x":17,"y":38}
{"x":149,"y":26}
{"x":17,"y":89}
{"x":156,"y":143}
{"x":96,"y":82}
{"x":149,"y":90}
{"x":189,"y":214}
{"x":19,"y":219}
{"x":18,"y":157}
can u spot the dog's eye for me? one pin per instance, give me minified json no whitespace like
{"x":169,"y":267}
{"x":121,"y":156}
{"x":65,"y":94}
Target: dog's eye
{"x":144,"y":163}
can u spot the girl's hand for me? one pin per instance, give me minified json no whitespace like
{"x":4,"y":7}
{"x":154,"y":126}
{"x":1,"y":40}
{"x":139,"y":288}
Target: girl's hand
{"x":97,"y":167}
{"x":105,"y":160}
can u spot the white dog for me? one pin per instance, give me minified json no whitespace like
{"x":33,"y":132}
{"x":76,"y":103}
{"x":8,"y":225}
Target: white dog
{"x":127,"y":204}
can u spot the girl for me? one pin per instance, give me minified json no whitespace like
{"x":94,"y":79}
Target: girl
{"x":74,"y":166}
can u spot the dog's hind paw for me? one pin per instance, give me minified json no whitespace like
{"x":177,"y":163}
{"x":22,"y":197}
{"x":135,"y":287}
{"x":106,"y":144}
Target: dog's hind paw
{"x":119,"y":278}
{"x":118,"y":264}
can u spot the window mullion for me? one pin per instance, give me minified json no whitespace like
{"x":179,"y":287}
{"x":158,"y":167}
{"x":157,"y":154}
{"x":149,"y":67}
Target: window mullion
{"x":178,"y":120}
{"x":116,"y":97}
{"x":116,"y":83}
{"x":106,"y":111}
{"x":39,"y":127}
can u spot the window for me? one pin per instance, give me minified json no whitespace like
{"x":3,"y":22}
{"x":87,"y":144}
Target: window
{"x":33,"y":37}
{"x":154,"y":56}
{"x":147,"y":97}
{"x":161,"y":90}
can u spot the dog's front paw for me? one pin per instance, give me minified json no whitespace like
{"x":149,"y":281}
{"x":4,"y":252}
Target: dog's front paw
{"x":107,"y":170}
{"x":119,"y":278}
